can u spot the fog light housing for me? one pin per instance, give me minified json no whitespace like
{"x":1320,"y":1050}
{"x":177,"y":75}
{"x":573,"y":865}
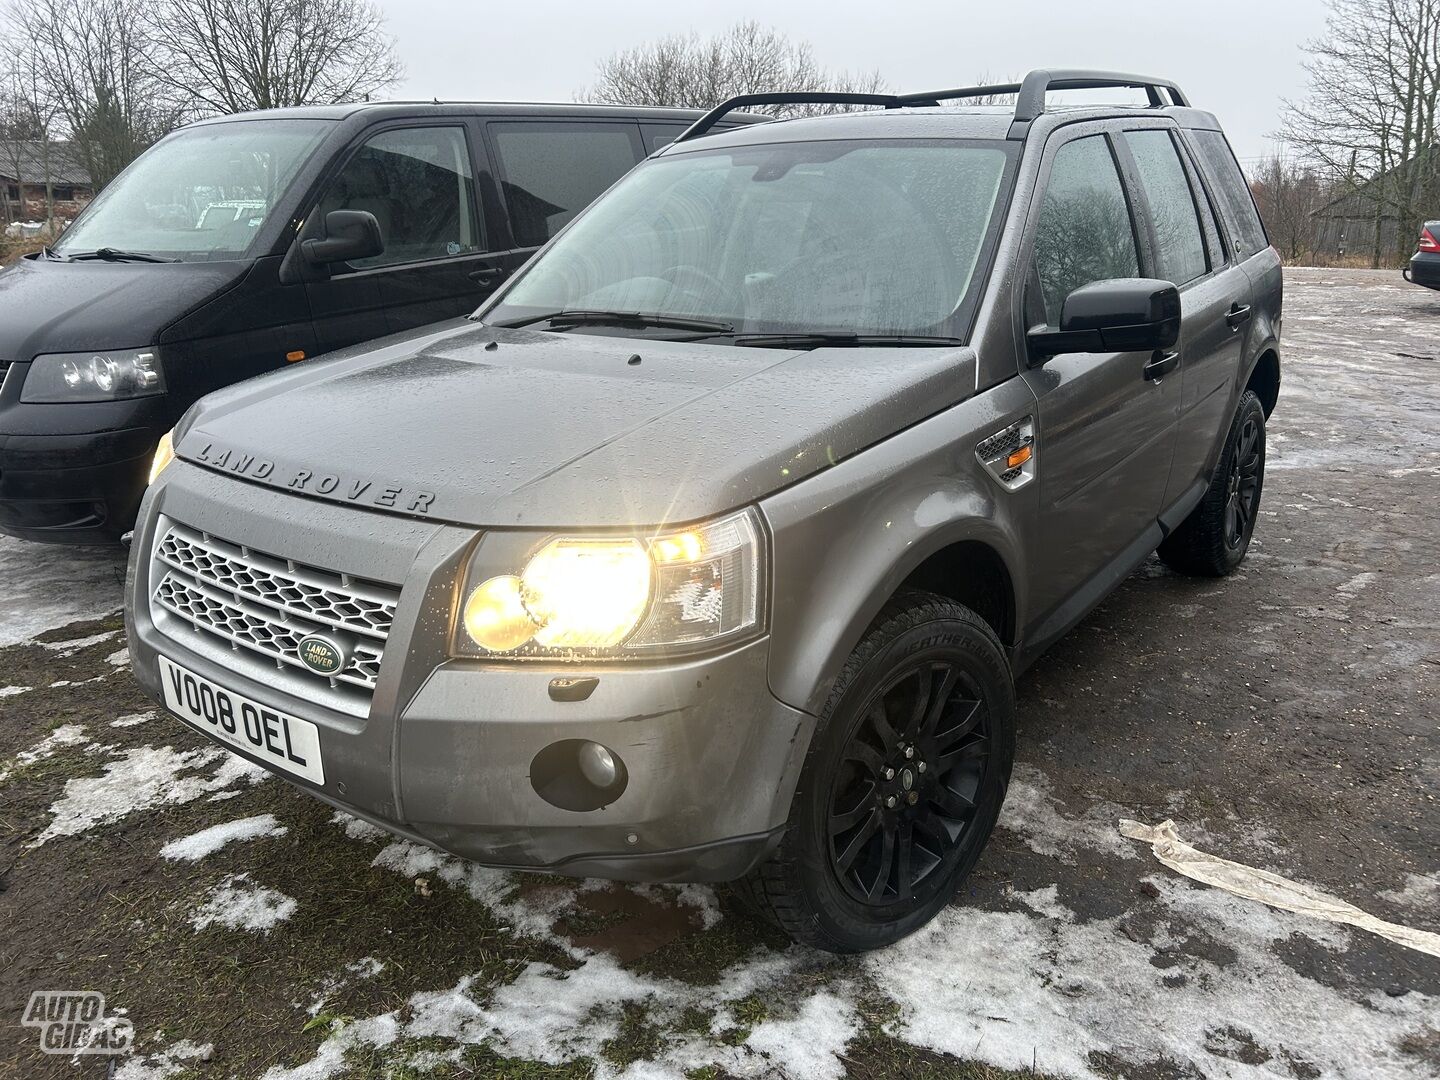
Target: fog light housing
{"x":598,"y":765}
{"x":578,"y":775}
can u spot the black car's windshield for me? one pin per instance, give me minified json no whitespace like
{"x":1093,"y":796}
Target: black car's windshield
{"x":876,"y":238}
{"x":202,"y":194}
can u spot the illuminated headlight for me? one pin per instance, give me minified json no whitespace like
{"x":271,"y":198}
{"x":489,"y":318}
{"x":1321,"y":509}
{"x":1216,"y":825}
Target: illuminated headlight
{"x":605,"y":596}
{"x":107,"y":376}
{"x":164,"y":455}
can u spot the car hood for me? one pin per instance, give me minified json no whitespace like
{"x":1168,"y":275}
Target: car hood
{"x":492,"y":427}
{"x":48,"y":306}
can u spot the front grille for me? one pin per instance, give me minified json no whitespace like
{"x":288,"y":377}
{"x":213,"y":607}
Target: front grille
{"x":268,"y":604}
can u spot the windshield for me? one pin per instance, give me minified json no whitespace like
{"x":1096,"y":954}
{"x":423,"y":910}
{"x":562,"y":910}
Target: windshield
{"x":202,"y":194}
{"x":866,"y":238}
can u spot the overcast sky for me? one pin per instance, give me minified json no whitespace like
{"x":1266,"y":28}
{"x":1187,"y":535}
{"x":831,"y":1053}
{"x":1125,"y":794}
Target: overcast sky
{"x":1237,"y":58}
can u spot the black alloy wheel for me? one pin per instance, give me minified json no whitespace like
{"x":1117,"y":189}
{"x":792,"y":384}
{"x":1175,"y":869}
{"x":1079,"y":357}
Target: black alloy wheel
{"x":1243,"y":486}
{"x":902,"y":782}
{"x":909,"y":781}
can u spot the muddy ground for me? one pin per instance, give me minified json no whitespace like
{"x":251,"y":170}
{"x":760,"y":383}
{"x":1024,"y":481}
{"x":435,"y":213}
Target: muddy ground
{"x":1287,"y":718}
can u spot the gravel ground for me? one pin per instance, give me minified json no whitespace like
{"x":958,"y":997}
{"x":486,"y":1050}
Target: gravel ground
{"x":1286,"y":718}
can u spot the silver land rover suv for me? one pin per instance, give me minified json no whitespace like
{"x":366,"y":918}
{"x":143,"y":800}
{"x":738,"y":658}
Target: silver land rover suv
{"x":710,"y":549}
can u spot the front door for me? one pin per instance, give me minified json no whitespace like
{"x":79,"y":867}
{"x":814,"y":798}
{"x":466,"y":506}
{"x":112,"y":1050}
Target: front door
{"x":419,"y":183}
{"x":1188,"y":252}
{"x":1105,"y":432}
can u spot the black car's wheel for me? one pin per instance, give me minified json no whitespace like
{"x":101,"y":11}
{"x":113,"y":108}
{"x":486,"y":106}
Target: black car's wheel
{"x":902,"y":784}
{"x":1213,"y":540}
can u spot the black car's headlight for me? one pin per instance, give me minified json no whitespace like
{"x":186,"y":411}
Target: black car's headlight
{"x":93,"y":376}
{"x":607,"y":596}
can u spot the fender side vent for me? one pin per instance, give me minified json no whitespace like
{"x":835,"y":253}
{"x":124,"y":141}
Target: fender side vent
{"x":1009,"y":455}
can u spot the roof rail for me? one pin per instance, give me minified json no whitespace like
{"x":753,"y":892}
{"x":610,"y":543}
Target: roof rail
{"x":797,"y":97}
{"x":1029,"y":104}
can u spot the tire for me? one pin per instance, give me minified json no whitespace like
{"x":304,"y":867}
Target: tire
{"x":1213,"y":540}
{"x":834,"y":881}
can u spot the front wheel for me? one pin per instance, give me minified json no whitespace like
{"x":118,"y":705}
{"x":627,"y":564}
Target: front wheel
{"x":1213,"y":540}
{"x":902,"y":784}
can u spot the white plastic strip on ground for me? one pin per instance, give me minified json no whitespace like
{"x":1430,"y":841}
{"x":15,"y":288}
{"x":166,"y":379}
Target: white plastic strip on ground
{"x":1269,"y":888}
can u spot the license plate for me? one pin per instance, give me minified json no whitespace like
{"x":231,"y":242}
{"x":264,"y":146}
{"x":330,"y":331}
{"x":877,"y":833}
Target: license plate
{"x":280,"y":741}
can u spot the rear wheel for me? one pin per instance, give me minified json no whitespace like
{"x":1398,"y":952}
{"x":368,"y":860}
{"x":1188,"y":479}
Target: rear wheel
{"x":1213,"y":540}
{"x":902,"y":784}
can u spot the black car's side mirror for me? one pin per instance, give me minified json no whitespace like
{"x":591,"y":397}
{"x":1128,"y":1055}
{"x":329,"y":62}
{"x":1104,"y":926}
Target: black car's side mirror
{"x":1121,"y":315}
{"x":349,"y":234}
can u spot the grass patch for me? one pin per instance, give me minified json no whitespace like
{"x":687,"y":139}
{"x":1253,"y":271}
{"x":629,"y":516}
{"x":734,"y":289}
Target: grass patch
{"x":637,"y":1040}
{"x":702,"y":959}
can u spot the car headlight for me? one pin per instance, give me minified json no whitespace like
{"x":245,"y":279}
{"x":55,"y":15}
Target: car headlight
{"x":164,"y":455}
{"x":98,"y":376}
{"x":583,"y":597}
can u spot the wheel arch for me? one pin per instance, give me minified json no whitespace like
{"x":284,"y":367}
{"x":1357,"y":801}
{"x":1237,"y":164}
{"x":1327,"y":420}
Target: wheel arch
{"x":1264,"y":378}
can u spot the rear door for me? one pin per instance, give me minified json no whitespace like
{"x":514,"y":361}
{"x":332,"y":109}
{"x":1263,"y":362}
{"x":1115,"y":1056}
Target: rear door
{"x":1105,"y":432}
{"x":547,"y":171}
{"x":418,"y":179}
{"x":1189,"y":253}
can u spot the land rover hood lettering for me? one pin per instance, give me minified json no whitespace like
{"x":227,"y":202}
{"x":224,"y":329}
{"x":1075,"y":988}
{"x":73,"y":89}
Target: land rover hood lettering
{"x":366,"y":492}
{"x":560,"y":429}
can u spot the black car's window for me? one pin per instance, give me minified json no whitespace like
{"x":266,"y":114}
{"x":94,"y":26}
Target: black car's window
{"x":418,"y":184}
{"x":1086,"y":233}
{"x":1172,"y":205}
{"x":203,"y":194}
{"x":552,"y":171}
{"x":1223,"y":171}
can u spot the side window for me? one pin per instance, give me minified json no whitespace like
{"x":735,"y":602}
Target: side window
{"x":1172,"y":205}
{"x":552,"y":171}
{"x":659,"y":135}
{"x":1086,"y":233}
{"x":418,"y":184}
{"x":1236,"y":203}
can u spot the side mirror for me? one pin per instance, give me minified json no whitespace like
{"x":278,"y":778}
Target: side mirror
{"x":1122,"y":315}
{"x":349,"y":234}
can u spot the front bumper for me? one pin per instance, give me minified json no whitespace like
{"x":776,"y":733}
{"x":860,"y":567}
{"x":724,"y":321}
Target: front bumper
{"x":443,"y":752}
{"x":1424,"y":269}
{"x":73,"y":489}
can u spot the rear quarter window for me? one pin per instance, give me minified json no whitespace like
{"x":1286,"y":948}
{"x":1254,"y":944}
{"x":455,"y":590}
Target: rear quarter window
{"x":1217,"y":161}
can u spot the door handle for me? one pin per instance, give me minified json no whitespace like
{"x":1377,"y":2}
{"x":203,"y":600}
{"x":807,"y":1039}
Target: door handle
{"x":1161,"y":364}
{"x":1239,"y":316}
{"x":487,"y":276}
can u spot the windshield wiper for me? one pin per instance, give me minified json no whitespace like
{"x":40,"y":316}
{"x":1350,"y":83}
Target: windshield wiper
{"x":821,"y":340}
{"x":110,"y":254}
{"x":638,"y":319}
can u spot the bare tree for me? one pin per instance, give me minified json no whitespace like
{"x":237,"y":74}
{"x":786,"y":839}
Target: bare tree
{"x":230,"y":56}
{"x":90,"y":60}
{"x":1288,"y":193}
{"x":1369,"y":120}
{"x":699,"y":73}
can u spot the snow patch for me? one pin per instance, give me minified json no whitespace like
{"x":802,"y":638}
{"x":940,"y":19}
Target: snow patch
{"x":1013,"y":991}
{"x":119,"y":659}
{"x":143,"y":778}
{"x":50,"y":587}
{"x":195,"y":847}
{"x":238,"y":904}
{"x":133,"y":719}
{"x":170,"y":1062}
{"x":70,"y":648}
{"x":1032,"y":812}
{"x":357,"y":828}
{"x":13,"y":691}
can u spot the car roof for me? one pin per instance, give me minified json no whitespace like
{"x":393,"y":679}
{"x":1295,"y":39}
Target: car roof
{"x":944,"y":122}
{"x":382,"y":110}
